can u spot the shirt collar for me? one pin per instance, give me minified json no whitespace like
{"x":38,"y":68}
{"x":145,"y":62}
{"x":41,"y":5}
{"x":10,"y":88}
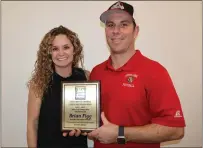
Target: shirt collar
{"x":128,"y":66}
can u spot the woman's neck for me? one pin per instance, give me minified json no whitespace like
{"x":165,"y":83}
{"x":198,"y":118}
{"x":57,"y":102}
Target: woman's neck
{"x":64,"y":71}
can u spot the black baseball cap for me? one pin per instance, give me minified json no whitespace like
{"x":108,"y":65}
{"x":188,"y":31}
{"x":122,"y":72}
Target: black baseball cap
{"x":117,"y":7}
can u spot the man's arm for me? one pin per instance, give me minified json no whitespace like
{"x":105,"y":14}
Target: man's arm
{"x":153,"y":133}
{"x":167,"y":122}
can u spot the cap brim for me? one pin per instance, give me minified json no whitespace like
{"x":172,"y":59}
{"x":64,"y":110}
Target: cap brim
{"x":104,"y":15}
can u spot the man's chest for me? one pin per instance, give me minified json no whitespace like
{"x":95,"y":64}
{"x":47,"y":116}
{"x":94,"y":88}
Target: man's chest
{"x":124,"y":98}
{"x":127,"y":87}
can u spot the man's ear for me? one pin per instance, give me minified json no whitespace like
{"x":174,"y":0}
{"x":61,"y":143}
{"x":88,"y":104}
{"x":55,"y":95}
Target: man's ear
{"x":136,"y":31}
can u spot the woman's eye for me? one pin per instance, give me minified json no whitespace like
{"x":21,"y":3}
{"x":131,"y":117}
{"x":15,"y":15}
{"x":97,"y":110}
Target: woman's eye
{"x":66,"y":47}
{"x":54,"y":49}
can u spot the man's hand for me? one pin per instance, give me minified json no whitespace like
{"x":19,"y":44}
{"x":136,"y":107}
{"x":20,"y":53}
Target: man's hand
{"x":107,"y":133}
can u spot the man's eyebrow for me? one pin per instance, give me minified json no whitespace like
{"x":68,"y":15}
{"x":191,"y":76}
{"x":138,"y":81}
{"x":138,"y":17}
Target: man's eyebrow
{"x":123,"y":21}
{"x":108,"y":22}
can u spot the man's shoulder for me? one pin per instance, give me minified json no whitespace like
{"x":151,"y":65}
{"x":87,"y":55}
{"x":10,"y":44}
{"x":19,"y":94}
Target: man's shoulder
{"x":100,"y":66}
{"x":153,"y":66}
{"x":97,"y":70}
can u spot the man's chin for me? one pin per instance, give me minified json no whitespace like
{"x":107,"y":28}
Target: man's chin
{"x":117,"y":51}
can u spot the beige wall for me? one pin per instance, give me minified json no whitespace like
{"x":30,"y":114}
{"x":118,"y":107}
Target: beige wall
{"x":170,"y":32}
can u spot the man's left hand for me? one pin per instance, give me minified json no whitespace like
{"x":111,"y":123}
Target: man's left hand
{"x":107,"y":133}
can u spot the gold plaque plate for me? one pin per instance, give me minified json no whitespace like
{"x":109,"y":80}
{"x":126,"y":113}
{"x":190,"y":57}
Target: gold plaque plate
{"x":80,"y":105}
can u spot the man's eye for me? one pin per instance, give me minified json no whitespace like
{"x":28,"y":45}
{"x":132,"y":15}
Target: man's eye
{"x":124,"y":24}
{"x":109,"y":25}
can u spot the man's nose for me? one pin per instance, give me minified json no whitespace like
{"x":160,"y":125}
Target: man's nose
{"x":116,"y":29}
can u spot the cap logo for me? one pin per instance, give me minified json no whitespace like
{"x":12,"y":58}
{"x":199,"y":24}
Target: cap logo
{"x":117,"y":5}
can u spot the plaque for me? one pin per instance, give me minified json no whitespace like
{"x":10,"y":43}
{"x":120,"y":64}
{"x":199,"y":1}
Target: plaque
{"x":80,"y":105}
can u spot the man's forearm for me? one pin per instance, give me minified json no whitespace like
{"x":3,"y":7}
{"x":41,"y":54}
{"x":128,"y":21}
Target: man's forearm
{"x":153,"y":133}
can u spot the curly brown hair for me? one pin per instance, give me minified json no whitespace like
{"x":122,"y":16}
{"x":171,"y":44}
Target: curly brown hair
{"x":44,"y":67}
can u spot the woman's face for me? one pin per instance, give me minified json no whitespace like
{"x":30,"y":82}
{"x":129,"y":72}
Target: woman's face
{"x":62,"y":51}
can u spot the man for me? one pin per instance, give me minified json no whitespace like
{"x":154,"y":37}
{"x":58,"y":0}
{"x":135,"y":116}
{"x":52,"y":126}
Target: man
{"x":140,"y":106}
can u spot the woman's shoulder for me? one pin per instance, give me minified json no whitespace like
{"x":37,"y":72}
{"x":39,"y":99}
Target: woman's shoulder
{"x":87,"y":73}
{"x":34,"y":93}
{"x":83,"y":71}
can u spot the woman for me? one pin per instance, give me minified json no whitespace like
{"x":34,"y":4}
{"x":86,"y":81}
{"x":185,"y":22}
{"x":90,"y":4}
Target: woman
{"x":59,"y":55}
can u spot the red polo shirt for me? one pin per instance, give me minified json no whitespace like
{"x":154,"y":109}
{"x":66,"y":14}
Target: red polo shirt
{"x":139,"y":93}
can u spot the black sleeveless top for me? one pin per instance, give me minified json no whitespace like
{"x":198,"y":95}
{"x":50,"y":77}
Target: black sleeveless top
{"x":49,"y":124}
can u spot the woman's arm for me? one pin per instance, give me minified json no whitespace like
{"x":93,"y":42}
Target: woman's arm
{"x":33,"y":108}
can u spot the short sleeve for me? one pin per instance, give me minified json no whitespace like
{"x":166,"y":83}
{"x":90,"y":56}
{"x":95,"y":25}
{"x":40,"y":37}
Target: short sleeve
{"x":165,"y":106}
{"x":92,"y":75}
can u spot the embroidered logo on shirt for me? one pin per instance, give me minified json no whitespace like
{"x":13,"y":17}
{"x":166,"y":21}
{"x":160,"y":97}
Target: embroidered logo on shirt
{"x":177,"y":114}
{"x":129,"y":78}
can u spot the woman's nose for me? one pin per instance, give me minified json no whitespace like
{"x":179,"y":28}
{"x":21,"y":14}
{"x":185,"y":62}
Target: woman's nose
{"x":61,"y":52}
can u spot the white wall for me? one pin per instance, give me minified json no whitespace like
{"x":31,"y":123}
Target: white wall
{"x":170,"y":32}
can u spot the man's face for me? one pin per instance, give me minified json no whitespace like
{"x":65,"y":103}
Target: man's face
{"x":120,"y":32}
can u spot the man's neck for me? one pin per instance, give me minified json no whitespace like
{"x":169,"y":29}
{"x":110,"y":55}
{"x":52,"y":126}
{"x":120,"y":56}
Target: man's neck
{"x":64,"y":71}
{"x":118,"y":60}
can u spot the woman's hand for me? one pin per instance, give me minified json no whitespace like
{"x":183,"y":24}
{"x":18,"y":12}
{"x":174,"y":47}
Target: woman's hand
{"x":75,"y":132}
